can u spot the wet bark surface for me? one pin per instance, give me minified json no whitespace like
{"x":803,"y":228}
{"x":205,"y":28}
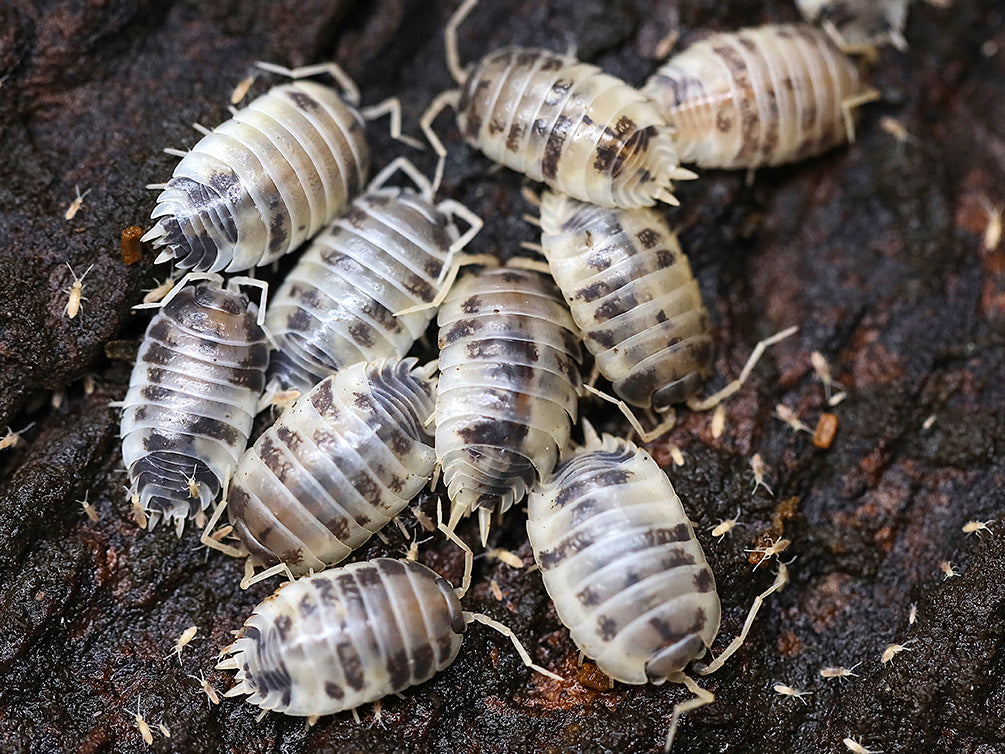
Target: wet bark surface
{"x":874,"y":250}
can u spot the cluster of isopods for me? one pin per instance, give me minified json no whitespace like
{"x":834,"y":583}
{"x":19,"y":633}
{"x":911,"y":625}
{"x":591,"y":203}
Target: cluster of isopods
{"x":365,"y":428}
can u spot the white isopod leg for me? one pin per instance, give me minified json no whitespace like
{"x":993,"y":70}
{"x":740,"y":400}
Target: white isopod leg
{"x":701,"y":698}
{"x":392,"y":107}
{"x":506,"y":631}
{"x":201,"y":129}
{"x":407,"y":167}
{"x":207,"y":534}
{"x":350,"y":92}
{"x":450,"y":40}
{"x":644,"y":435}
{"x":457,"y":210}
{"x":189,"y":277}
{"x":848,"y":106}
{"x":780,"y":580}
{"x":460,"y":260}
{"x":268,"y":573}
{"x":234,"y":284}
{"x":442,"y":102}
{"x":704,"y":404}
{"x":469,"y":556}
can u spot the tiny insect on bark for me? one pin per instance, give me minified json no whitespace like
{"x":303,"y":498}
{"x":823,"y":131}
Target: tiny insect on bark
{"x":75,"y":292}
{"x":76,"y":204}
{"x":783,"y":690}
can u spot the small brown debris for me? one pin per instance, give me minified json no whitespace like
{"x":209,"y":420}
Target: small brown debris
{"x":827,"y":426}
{"x":592,"y":677}
{"x":132,"y":250}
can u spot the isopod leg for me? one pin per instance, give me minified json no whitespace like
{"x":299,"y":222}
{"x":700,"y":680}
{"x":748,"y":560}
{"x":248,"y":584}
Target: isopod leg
{"x":392,"y":107}
{"x":506,"y":631}
{"x":450,"y":39}
{"x":349,"y":89}
{"x":407,"y":167}
{"x":780,"y":580}
{"x":715,"y":399}
{"x":848,"y":106}
{"x":701,"y":698}
{"x":438,"y":105}
{"x":644,"y":435}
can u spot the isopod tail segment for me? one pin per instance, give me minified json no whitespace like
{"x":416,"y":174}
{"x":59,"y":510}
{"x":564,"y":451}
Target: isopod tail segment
{"x":350,"y":92}
{"x":704,"y":696}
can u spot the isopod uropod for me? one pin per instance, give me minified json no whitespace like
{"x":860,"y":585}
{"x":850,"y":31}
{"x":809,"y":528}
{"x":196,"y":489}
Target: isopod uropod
{"x":348,"y":636}
{"x":621,"y":562}
{"x":758,"y":97}
{"x":191,"y":401}
{"x":631,"y":292}
{"x":508,"y":389}
{"x":389,"y":252}
{"x":560,"y":121}
{"x":337,"y":466}
{"x":259,"y":184}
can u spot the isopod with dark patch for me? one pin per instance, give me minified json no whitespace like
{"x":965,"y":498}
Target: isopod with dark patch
{"x":631,"y":292}
{"x":192,"y":399}
{"x":365,"y":288}
{"x":758,"y":97}
{"x":560,"y":121}
{"x":621,"y":562}
{"x":336,"y":467}
{"x":508,"y":389}
{"x":349,"y":636}
{"x":261,"y":183}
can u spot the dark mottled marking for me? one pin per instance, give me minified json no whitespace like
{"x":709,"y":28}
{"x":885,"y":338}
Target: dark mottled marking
{"x":471,"y":305}
{"x":704,"y":581}
{"x":648,"y":237}
{"x":334,"y":691}
{"x":559,"y":89}
{"x":462,"y":328}
{"x":303,"y":101}
{"x":553,"y":148}
{"x":352,"y":666}
{"x":607,"y":628}
{"x":552,"y":63}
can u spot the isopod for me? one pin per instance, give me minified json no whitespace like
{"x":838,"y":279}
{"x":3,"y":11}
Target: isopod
{"x":630,"y":289}
{"x":336,"y":467}
{"x":621,"y":562}
{"x":259,"y":184}
{"x":560,"y":121}
{"x":191,"y":400}
{"x":508,"y":389}
{"x":390,"y":251}
{"x":759,"y":97}
{"x":349,"y":636}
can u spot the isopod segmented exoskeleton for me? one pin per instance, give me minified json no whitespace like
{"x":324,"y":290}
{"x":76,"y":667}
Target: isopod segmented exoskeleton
{"x":560,"y":121}
{"x":631,"y":292}
{"x":259,"y":184}
{"x":389,"y":252}
{"x":192,"y":400}
{"x":758,"y":97}
{"x":621,"y":562}
{"x":349,"y":636}
{"x":337,"y":466}
{"x":508,"y":389}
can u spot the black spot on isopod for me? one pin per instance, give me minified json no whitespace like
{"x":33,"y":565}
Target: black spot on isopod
{"x":362,"y":334}
{"x":666,"y":257}
{"x":559,"y":89}
{"x":471,"y":305}
{"x":607,"y":628}
{"x":553,"y":148}
{"x":334,"y":691}
{"x":283,"y":624}
{"x":648,"y":238}
{"x":352,"y":666}
{"x":604,"y":338}
{"x":303,"y":101}
{"x":422,"y":660}
{"x":462,"y":328}
{"x":704,"y":581}
{"x":399,"y":670}
{"x":552,"y":63}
